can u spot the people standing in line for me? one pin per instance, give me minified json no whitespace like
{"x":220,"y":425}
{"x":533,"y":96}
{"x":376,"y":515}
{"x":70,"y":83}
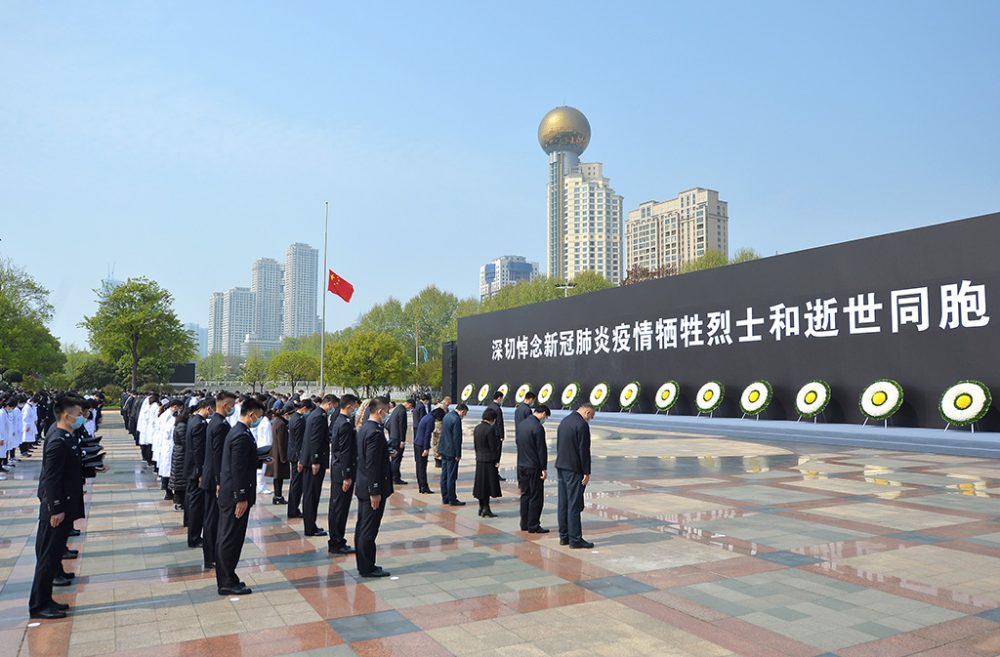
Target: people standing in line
{"x":498,"y":427}
{"x":315,"y":459}
{"x":296,"y":432}
{"x":374,"y":486}
{"x":215,"y":437}
{"x":396,"y":424}
{"x":57,"y":485}
{"x":523,"y":410}
{"x":194,"y":462}
{"x":237,"y":495}
{"x":178,"y":482}
{"x":532,"y":468}
{"x":573,"y":468}
{"x":487,"y":448}
{"x":450,"y":449}
{"x":278,"y":467}
{"x":422,"y":439}
{"x":343,"y":468}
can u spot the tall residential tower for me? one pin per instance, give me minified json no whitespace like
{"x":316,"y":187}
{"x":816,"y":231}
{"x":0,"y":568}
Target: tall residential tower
{"x":301,"y":285}
{"x":267,"y":282}
{"x":666,"y":235}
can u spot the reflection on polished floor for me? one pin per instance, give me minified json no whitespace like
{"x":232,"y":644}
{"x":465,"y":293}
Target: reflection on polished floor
{"x":704,"y":547}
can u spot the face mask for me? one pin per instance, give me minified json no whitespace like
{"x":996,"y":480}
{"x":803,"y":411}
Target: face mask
{"x":354,"y":412}
{"x":230,"y":413}
{"x":21,"y":405}
{"x":332,"y":411}
{"x":78,"y":422}
{"x":253,"y":425}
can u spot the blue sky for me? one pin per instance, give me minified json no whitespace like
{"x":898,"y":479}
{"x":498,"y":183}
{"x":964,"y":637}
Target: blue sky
{"x":181,"y":141}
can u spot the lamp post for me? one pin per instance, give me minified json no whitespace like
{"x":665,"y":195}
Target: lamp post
{"x":565,"y":287}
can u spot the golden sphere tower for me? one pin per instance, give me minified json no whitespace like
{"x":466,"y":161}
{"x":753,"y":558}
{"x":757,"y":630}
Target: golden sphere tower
{"x":564,"y":129}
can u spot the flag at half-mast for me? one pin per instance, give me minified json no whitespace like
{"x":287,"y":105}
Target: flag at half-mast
{"x":340,"y":287}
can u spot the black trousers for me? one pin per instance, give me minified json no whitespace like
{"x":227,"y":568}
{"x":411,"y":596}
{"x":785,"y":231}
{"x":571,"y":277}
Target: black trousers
{"x":396,"y":462}
{"x":421,"y":465}
{"x":365,"y":533}
{"x":340,"y":507}
{"x":295,"y":491}
{"x":532,"y":497}
{"x":194,"y":509}
{"x":50,"y":542}
{"x":312,"y":487}
{"x":232,"y":533}
{"x":210,"y":529}
{"x":147,"y":453}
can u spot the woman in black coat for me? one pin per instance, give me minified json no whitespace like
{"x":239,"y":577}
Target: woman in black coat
{"x":177,"y":482}
{"x":487,"y":446}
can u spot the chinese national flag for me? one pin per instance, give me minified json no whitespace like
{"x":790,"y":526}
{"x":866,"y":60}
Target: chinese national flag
{"x":340,"y":287}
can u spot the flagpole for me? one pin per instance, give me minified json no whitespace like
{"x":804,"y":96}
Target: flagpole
{"x":326,"y":278}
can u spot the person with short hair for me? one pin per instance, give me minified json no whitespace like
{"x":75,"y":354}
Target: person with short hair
{"x":523,"y":410}
{"x":422,"y":438}
{"x":343,"y":469}
{"x":374,"y":486}
{"x":315,"y":459}
{"x":573,"y":467}
{"x":532,"y":468}
{"x":396,"y":424}
{"x":215,"y":438}
{"x":487,"y":447}
{"x":194,"y":461}
{"x":296,"y":431}
{"x":450,"y":449}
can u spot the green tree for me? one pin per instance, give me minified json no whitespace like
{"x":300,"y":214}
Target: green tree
{"x":255,"y":370}
{"x":211,"y":368}
{"x":710,"y":260}
{"x":135,"y":322}
{"x":365,"y":361}
{"x":744,"y":254}
{"x":294,"y":367}
{"x":16,"y":284}
{"x":25,"y":342}
{"x":94,"y":374}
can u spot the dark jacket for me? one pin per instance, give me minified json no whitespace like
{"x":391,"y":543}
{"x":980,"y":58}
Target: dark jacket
{"x":177,"y":479}
{"x":238,"y":476}
{"x":296,"y":430}
{"x":419,"y":411}
{"x":194,"y":448}
{"x":573,"y":444}
{"x":374,"y":469}
{"x":59,"y":481}
{"x":522,"y":411}
{"x":215,"y":438}
{"x":422,"y":433}
{"x":532,"y":451}
{"x":396,"y":424}
{"x":451,"y":436}
{"x":278,"y":466}
{"x":498,"y":425}
{"x":316,"y":440}
{"x":486,"y":443}
{"x":343,"y":449}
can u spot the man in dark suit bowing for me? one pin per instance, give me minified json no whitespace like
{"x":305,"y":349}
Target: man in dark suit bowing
{"x":374,"y":486}
{"x":296,"y":431}
{"x":396,"y":424}
{"x":237,"y":494}
{"x":194,"y":461}
{"x":215,"y":437}
{"x":343,"y":464}
{"x":523,"y":409}
{"x":315,"y":458}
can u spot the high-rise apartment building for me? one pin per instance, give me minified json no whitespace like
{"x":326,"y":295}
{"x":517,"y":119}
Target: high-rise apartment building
{"x":301,"y":285}
{"x":503,"y":271}
{"x":267,"y":284}
{"x":215,"y":322}
{"x":200,"y":335}
{"x":666,"y":235}
{"x":237,"y":319}
{"x":584,"y":212}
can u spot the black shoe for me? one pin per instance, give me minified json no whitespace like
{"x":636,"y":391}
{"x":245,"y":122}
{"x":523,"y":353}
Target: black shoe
{"x":74,"y":532}
{"x":502,"y":478}
{"x":210,"y":565}
{"x":538,"y":530}
{"x":294,"y":514}
{"x":70,"y":554}
{"x":49,"y":614}
{"x":524,"y":529}
{"x":563,"y":541}
{"x":67,"y":575}
{"x":581,"y":545}
{"x":61,"y":581}
{"x":178,"y":507}
{"x":61,"y":606}
{"x":488,"y":514}
{"x":427,"y":491}
{"x":198,"y":542}
{"x":318,"y":532}
{"x":457,"y":503}
{"x":376,"y":573}
{"x":239,"y":589}
{"x":344,"y":549}
{"x":168,"y":496}
{"x":277,"y":501}
{"x":401,"y":482}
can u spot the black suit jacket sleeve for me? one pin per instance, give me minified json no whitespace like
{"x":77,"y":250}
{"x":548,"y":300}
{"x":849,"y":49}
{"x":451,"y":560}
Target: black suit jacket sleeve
{"x":397,"y":426}
{"x":194,"y":454}
{"x":317,"y":439}
{"x":344,"y":449}
{"x":243,"y":457}
{"x":55,"y":455}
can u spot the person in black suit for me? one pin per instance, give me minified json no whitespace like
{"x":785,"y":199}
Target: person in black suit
{"x":343,"y":465}
{"x":487,"y":483}
{"x":194,"y":461}
{"x":396,"y":424}
{"x":498,"y":427}
{"x":58,"y":484}
{"x":237,"y":494}
{"x":422,"y":408}
{"x":296,"y":431}
{"x":523,"y":410}
{"x":573,"y":466}
{"x":315,"y":458}
{"x":532,"y":466}
{"x":374,"y":486}
{"x":215,"y":437}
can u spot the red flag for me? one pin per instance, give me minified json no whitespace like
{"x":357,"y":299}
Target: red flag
{"x":340,"y":287}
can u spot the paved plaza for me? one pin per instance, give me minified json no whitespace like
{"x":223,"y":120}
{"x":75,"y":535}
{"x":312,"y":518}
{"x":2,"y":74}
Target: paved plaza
{"x":704,"y":547}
